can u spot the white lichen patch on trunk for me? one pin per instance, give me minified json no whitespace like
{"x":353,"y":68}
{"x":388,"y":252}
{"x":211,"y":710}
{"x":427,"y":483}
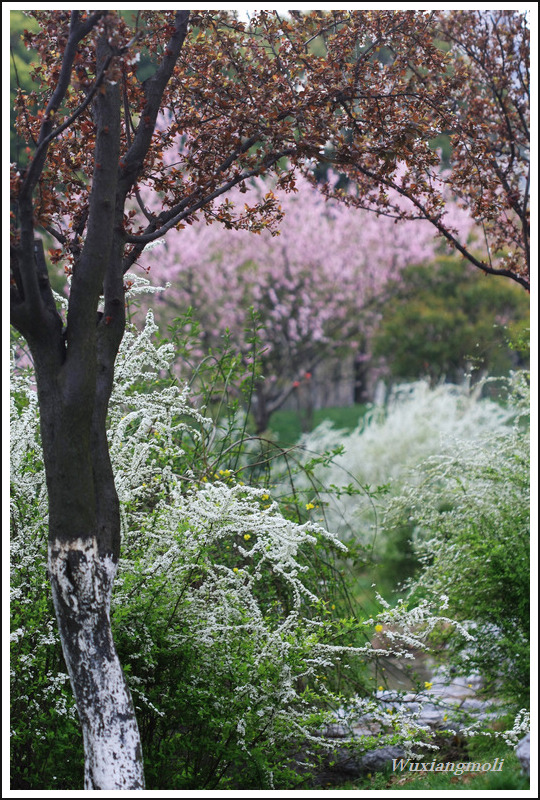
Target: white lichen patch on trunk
{"x":82,"y":585}
{"x":82,"y":553}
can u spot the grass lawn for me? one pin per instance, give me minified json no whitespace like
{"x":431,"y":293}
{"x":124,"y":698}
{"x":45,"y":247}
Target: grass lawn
{"x":287,"y":426}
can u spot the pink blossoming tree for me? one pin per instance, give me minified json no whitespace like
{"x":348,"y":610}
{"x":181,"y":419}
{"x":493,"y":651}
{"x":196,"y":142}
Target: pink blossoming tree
{"x":315,"y":288}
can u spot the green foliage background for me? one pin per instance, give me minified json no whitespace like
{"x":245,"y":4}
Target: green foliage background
{"x":447,"y":318}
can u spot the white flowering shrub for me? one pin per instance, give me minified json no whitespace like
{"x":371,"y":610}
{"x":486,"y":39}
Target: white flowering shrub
{"x":470,"y":518}
{"x":383,"y":457}
{"x":42,"y":706}
{"x":225,"y":612}
{"x":453,"y":511}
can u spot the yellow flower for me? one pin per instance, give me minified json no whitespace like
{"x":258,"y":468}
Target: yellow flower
{"x":265,"y":497}
{"x":235,"y":569}
{"x":309,"y":506}
{"x":378,"y":628}
{"x":247,"y":536}
{"x":428,"y":684}
{"x":380,"y":688}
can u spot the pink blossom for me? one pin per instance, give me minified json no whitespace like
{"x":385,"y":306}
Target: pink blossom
{"x":315,"y":286}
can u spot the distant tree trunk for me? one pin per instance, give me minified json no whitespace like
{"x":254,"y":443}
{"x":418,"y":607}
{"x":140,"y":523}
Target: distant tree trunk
{"x":304,"y":403}
{"x":361,"y":369}
{"x":261,"y":414}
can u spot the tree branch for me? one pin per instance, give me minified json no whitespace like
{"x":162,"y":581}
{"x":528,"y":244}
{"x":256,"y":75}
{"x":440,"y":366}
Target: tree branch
{"x":96,"y":256}
{"x":436,"y":221}
{"x":154,"y":88}
{"x":32,"y":286}
{"x":77,"y":32}
{"x":182,"y":210}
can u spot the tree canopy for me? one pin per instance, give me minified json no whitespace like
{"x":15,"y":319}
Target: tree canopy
{"x":367,"y":91}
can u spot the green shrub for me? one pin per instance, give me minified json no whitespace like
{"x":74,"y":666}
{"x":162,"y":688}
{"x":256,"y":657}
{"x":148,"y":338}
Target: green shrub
{"x":383,"y":456}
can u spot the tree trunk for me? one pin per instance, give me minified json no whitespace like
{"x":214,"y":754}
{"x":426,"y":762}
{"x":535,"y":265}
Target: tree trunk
{"x":260,"y":411}
{"x":74,"y":368}
{"x":81,"y":585}
{"x":84,"y":548}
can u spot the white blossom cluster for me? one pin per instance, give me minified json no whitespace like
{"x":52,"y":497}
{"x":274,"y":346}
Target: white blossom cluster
{"x":521,"y":726}
{"x":25,"y":451}
{"x":390,"y":446}
{"x":476,"y":485}
{"x":147,"y":420}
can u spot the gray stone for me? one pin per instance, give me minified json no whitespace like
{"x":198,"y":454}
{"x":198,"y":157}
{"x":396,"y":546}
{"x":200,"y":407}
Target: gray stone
{"x":377,"y":760}
{"x":448,"y":703}
{"x":523,"y":752}
{"x":441,"y":706}
{"x":343,"y":765}
{"x":336,"y":731}
{"x":339,"y":766}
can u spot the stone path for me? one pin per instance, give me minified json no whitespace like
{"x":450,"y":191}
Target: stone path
{"x":445,"y":705}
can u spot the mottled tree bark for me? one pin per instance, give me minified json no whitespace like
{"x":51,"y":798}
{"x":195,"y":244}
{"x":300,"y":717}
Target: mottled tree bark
{"x":82,"y":582}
